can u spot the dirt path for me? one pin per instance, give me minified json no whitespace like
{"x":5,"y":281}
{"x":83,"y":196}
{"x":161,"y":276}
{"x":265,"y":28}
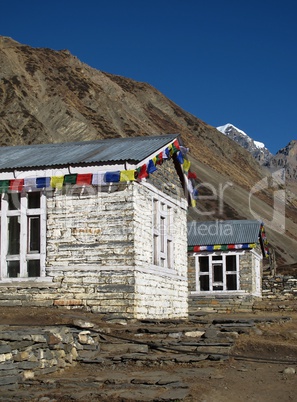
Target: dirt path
{"x":255,"y":371}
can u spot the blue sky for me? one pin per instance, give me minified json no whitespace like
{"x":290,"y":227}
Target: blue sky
{"x":224,"y":61}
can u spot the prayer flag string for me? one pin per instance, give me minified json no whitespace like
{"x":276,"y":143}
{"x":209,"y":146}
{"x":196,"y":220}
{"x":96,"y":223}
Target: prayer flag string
{"x":102,"y":178}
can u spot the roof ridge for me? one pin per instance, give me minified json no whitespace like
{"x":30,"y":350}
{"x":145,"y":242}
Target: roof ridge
{"x":97,"y":141}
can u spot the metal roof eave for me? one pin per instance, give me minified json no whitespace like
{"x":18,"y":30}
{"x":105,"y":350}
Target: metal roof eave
{"x":88,"y":153}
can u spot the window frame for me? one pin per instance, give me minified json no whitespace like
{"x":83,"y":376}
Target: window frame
{"x":24,"y":213}
{"x":213,"y":261}
{"x":163,"y":239}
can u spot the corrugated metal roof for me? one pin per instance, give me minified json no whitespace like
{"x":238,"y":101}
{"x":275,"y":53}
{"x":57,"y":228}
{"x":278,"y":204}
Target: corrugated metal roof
{"x":112,"y":150}
{"x":223,"y":232}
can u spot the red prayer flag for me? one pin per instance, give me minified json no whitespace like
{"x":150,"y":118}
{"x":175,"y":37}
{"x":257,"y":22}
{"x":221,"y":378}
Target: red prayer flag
{"x":192,"y":175}
{"x":142,"y":173}
{"x":159,"y":158}
{"x":84,"y":179}
{"x":176,"y":144}
{"x":231,"y":246}
{"x":16,"y":185}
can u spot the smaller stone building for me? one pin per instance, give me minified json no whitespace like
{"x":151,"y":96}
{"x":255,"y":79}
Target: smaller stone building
{"x":225,"y":264}
{"x":100,"y":225}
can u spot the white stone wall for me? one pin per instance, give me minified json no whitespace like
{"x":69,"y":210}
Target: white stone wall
{"x":160,"y":292}
{"x":93,"y":228}
{"x":90,"y":249}
{"x":99,"y":254}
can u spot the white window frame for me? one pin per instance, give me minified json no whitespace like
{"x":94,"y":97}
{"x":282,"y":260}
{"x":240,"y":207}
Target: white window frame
{"x":163,"y":211}
{"x":211,"y":263}
{"x":23,"y":213}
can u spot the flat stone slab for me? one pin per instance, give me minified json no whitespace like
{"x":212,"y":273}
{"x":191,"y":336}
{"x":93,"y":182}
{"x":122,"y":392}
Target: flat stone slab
{"x":152,"y":393}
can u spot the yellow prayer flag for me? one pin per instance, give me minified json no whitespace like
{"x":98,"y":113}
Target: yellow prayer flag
{"x":186,"y":165}
{"x":57,"y":182}
{"x":193,"y":203}
{"x":127,"y":175}
{"x":170,"y":149}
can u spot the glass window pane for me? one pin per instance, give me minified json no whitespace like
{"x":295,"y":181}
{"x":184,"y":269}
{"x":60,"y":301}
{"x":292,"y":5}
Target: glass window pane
{"x":218,"y":273}
{"x":156,"y":261}
{"x":13,"y":235}
{"x":231,"y":263}
{"x":13,"y":269}
{"x":169,"y":254}
{"x":14,"y":201}
{"x":34,"y":234}
{"x":217,"y":257}
{"x":155,"y":212}
{"x":34,"y":200}
{"x":220,"y":287}
{"x":231,"y":282}
{"x":162,"y":234}
{"x":203,"y":264}
{"x":204,"y":282}
{"x":169,"y":220}
{"x":33,"y":268}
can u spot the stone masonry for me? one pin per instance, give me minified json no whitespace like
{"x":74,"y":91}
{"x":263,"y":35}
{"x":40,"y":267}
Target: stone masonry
{"x":99,"y":252}
{"x":233,"y":302}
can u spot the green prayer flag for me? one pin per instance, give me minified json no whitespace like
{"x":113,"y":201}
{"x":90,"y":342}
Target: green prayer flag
{"x":4,"y":186}
{"x":70,"y":178}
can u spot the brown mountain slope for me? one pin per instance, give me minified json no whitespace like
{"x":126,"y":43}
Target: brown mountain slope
{"x":50,"y":96}
{"x":286,"y":158}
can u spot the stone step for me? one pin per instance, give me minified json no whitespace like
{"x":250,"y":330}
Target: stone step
{"x":116,"y":348}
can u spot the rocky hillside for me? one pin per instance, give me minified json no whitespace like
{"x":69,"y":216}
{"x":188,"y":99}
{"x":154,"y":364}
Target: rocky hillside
{"x":51,"y":96}
{"x":286,"y":159}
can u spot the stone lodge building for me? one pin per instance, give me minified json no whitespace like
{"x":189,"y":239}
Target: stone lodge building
{"x":225,"y":264}
{"x":100,"y":225}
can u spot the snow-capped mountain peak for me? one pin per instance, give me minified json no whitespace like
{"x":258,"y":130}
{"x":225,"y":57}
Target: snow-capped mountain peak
{"x":256,"y":148}
{"x":228,"y":127}
{"x":259,"y":144}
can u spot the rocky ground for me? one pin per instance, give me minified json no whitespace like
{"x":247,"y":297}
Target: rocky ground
{"x":250,"y":357}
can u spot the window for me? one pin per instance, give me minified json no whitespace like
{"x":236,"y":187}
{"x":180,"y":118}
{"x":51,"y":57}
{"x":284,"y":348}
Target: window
{"x":217,"y":272}
{"x":23,"y":228}
{"x":162,"y":234}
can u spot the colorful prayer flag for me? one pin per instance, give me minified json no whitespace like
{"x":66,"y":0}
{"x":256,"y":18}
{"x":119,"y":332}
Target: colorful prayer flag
{"x":166,"y":153}
{"x":70,"y":178}
{"x":16,"y":185}
{"x":127,"y":175}
{"x":180,"y":158}
{"x":112,"y":177}
{"x":98,"y":179}
{"x":186,"y":165}
{"x":142,"y":172}
{"x":4,"y":186}
{"x":57,"y":182}
{"x":192,"y":175}
{"x":43,"y":182}
{"x":151,"y":167}
{"x":84,"y":179}
{"x":30,"y":184}
{"x":176,"y":144}
{"x":159,"y":158}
